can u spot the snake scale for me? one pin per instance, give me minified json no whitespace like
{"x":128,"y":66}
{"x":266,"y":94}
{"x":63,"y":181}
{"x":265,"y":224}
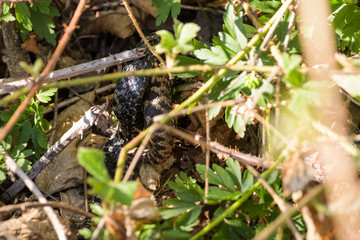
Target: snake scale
{"x":136,"y":101}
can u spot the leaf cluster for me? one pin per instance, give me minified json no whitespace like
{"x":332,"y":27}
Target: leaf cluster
{"x":346,"y":18}
{"x":33,"y":17}
{"x":182,"y":214}
{"x":164,"y":8}
{"x":27,"y":141}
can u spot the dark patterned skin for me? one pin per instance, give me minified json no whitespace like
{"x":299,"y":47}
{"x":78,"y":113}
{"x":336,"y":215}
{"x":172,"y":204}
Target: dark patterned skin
{"x":136,"y":101}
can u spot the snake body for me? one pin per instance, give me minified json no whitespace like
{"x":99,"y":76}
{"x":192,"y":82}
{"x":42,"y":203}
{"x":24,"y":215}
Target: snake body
{"x":136,"y":101}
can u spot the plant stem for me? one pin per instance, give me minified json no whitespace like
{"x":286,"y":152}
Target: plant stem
{"x":144,"y":72}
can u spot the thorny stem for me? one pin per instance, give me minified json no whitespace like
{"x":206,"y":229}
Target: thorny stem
{"x":211,"y":82}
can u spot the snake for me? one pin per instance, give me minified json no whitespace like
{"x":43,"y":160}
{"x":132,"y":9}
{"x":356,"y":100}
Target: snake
{"x":137,"y":100}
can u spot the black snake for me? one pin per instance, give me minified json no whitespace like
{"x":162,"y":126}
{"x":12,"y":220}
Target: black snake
{"x":136,"y":101}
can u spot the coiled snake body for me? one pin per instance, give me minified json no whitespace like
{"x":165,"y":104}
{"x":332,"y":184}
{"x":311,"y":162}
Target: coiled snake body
{"x":136,"y":101}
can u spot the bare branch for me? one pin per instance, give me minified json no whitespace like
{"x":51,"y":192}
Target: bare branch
{"x":77,"y":129}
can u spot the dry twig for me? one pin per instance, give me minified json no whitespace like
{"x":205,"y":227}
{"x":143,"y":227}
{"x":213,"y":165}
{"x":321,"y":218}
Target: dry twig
{"x":11,"y":166}
{"x":77,"y":129}
{"x":53,"y":204}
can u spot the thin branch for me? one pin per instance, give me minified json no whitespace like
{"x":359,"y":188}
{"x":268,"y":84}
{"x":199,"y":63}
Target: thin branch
{"x":251,"y":14}
{"x":199,"y":108}
{"x":207,"y":160}
{"x":138,"y":29}
{"x":137,"y":156}
{"x":72,"y":100}
{"x":98,"y":229}
{"x":66,"y":73}
{"x":77,"y":129}
{"x":143,"y":72}
{"x":274,"y":26}
{"x":23,"y":206}
{"x":50,"y":65}
{"x":290,"y":27}
{"x":216,"y":147}
{"x":11,"y":166}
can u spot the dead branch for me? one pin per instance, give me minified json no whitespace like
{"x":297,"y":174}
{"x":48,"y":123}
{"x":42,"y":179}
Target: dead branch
{"x":10,"y":85}
{"x":53,"y":204}
{"x":77,"y":129}
{"x":11,"y":166}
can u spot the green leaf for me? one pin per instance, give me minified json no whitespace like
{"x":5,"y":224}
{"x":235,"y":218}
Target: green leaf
{"x":213,"y":112}
{"x":43,"y":26}
{"x":226,"y":179}
{"x":186,"y":188}
{"x":42,"y":139}
{"x":350,"y":83}
{"x":93,"y":161}
{"x":188,"y":220}
{"x":241,"y":228}
{"x":6,"y":144}
{"x":254,"y":209}
{"x":97,"y":209}
{"x":181,"y":43}
{"x":234,"y":170}
{"x":229,"y":42}
{"x":248,"y":181}
{"x":186,"y":61}
{"x":5,"y":116}
{"x":124,"y":192}
{"x":218,"y":194}
{"x":175,"y":234}
{"x":234,"y":25}
{"x":177,"y":207}
{"x":53,"y":11}
{"x":213,"y":178}
{"x":39,"y":140}
{"x":164,"y":8}
{"x":7,"y":17}
{"x":22,"y":13}
{"x":44,"y":96}
{"x":119,"y":192}
{"x":292,"y":75}
{"x":6,"y":8}
{"x":2,"y":172}
{"x":86,"y":233}
{"x":24,"y":164}
{"x":215,"y":56}
{"x":167,"y":41}
{"x":42,"y":6}
{"x":25,"y":133}
{"x":236,"y":121}
{"x":270,"y":6}
{"x":187,"y":33}
{"x":306,"y":99}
